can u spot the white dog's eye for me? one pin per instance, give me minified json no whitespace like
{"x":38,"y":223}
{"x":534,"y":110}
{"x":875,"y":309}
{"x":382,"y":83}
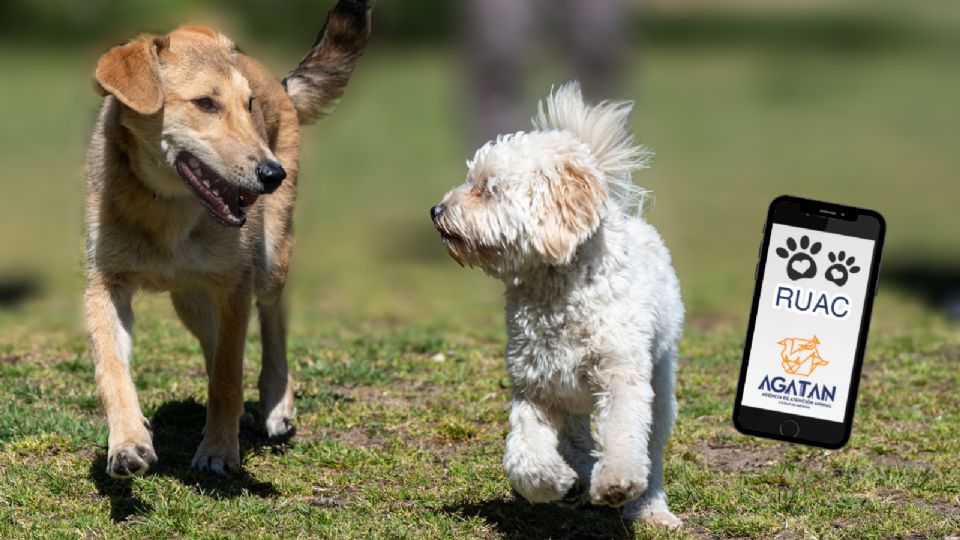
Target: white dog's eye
{"x":481,"y":188}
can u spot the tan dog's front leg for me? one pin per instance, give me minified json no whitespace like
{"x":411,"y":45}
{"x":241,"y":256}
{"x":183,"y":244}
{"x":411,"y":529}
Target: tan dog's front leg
{"x":219,"y":451}
{"x":109,"y":320}
{"x":275,"y":382}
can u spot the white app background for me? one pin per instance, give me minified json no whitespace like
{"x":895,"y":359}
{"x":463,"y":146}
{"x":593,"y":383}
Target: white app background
{"x":826,"y":361}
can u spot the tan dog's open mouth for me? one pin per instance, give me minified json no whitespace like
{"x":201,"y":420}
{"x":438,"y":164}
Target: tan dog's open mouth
{"x":225,"y":201}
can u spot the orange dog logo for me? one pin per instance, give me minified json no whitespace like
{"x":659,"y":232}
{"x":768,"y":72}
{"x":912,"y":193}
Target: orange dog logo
{"x":800,"y":356}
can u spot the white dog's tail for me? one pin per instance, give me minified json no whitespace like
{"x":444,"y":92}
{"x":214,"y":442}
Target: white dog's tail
{"x":603,"y":127}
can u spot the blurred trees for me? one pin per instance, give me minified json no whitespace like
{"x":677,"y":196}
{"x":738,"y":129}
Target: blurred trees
{"x":59,"y":21}
{"x":831,"y":25}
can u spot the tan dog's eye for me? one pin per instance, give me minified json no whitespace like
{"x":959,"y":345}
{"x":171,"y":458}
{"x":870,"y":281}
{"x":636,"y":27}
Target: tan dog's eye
{"x":250,"y":105}
{"x":205,"y":104}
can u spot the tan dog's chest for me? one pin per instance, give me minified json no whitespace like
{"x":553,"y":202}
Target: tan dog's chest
{"x":188,"y":269}
{"x":194,"y":253}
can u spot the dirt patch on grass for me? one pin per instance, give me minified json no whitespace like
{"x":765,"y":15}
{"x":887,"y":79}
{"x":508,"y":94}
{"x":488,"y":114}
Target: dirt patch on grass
{"x":400,"y":392}
{"x":355,"y":437}
{"x":942,"y":508}
{"x":890,"y":460}
{"x":708,"y":322}
{"x":691,"y":528}
{"x":739,"y":459}
{"x":325,"y":497}
{"x":328,"y":498}
{"x":373,"y":431}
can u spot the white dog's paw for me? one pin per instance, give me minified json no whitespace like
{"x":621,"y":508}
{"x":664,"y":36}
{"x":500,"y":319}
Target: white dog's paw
{"x":653,"y":511}
{"x":540,"y":483}
{"x":662,"y":518}
{"x":217,"y":457}
{"x":615,"y":484}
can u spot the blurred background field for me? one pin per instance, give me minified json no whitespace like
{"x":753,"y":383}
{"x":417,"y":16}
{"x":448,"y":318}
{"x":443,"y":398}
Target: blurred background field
{"x":853,"y":102}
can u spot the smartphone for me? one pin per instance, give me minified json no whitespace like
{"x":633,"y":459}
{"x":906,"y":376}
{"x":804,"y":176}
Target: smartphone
{"x":816,"y":279}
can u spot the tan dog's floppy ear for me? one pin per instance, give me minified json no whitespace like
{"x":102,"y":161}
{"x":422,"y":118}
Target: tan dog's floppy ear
{"x":131,"y":73}
{"x":579,"y":197}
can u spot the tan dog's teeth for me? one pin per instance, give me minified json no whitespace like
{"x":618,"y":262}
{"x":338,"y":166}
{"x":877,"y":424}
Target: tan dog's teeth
{"x":206,"y":183}
{"x":217,"y":193}
{"x":194,"y":163}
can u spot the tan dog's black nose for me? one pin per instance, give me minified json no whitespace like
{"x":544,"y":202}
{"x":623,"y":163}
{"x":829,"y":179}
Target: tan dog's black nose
{"x":270,"y":174}
{"x":436,"y":211}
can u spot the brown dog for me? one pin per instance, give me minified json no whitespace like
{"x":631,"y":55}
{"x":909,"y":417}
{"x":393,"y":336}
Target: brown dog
{"x":191,"y":134}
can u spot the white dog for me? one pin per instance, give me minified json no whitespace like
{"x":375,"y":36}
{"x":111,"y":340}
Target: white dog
{"x":593,"y":304}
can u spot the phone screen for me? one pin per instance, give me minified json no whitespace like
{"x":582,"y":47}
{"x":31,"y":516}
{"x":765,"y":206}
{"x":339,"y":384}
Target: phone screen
{"x":811,"y":305}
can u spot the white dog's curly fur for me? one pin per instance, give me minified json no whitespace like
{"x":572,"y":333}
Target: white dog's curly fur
{"x":593,"y":304}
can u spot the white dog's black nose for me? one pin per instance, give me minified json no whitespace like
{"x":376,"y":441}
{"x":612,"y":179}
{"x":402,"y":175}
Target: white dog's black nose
{"x":270,"y":174}
{"x":436,"y":211}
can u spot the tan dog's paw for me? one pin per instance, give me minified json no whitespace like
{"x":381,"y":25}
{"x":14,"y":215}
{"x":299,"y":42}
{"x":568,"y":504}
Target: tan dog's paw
{"x":130,"y":459}
{"x":217,"y":458}
{"x":279,"y":421}
{"x":278,"y":425}
{"x":277,"y":407}
{"x":615,"y":485}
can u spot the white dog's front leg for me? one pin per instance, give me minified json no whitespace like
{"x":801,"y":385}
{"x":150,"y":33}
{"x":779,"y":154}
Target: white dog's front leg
{"x":532,"y":461}
{"x":624,"y":419}
{"x":652,"y":507}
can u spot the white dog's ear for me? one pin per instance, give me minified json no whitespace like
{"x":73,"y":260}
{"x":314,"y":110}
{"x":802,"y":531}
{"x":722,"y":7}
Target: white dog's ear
{"x":578,"y":199}
{"x":131,"y":72}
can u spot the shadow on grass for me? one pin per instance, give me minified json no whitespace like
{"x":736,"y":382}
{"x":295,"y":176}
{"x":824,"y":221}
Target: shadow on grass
{"x":517,"y":519}
{"x":935,"y":282}
{"x":16,"y":289}
{"x":177,"y":430}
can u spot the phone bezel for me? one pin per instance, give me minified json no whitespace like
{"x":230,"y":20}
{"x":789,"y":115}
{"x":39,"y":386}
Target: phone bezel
{"x":817,"y":216}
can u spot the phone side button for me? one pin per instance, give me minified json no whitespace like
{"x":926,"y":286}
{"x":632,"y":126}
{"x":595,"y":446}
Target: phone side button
{"x":789,"y":428}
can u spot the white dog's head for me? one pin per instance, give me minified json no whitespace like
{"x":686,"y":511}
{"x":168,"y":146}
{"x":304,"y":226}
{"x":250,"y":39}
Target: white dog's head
{"x":531,"y":199}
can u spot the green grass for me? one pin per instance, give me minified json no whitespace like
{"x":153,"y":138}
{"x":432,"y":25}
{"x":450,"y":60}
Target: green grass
{"x":397,"y":351}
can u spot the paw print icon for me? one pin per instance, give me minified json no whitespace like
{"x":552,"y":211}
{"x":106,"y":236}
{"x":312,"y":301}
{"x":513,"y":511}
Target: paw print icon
{"x":800,"y":263}
{"x":839,"y":272}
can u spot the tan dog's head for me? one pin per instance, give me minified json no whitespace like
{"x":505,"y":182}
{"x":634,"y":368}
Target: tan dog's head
{"x":532,"y":199}
{"x":196,"y":125}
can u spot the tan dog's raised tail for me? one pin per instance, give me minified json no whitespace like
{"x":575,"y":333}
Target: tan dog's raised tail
{"x":191,"y":180}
